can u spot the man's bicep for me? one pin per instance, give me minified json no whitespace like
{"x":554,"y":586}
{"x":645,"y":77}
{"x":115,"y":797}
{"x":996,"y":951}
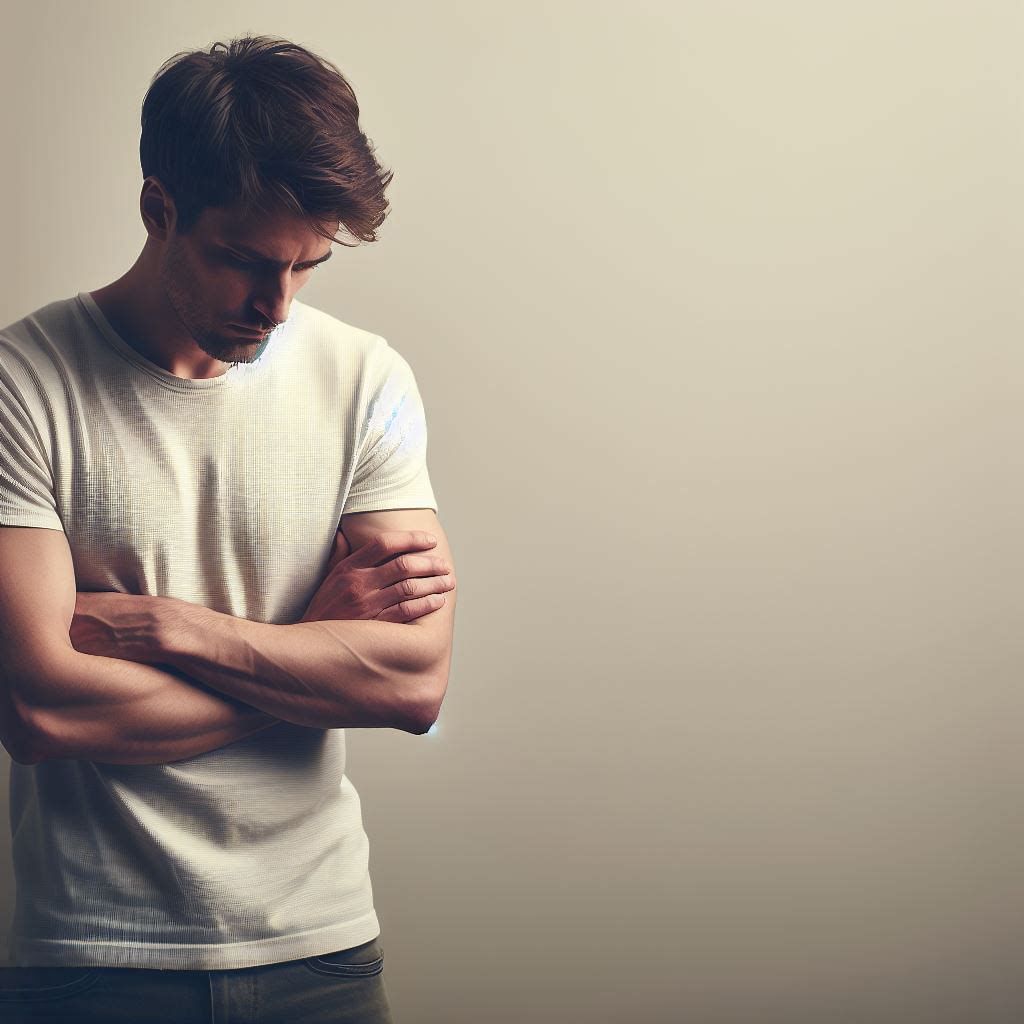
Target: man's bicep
{"x":37,"y":604}
{"x":360,"y":528}
{"x":37,"y":596}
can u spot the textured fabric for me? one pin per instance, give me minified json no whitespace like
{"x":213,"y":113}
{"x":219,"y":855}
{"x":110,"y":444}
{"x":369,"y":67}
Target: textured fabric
{"x":225,"y":492}
{"x":342,"y":987}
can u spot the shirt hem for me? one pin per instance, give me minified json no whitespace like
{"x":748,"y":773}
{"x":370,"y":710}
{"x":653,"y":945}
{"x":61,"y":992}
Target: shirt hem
{"x":194,"y":956}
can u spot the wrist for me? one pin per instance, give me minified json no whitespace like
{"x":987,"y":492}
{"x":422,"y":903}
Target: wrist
{"x":172,"y":623}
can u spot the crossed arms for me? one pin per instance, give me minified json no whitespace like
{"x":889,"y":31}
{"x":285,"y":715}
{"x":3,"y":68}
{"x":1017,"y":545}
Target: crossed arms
{"x":186,"y":679}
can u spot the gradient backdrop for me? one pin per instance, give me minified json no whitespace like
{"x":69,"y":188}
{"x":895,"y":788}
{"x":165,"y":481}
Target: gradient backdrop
{"x":715,"y":309}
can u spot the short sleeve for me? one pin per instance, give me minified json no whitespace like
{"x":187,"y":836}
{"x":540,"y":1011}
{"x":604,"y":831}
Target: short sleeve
{"x":26,"y":481}
{"x":391,"y":469}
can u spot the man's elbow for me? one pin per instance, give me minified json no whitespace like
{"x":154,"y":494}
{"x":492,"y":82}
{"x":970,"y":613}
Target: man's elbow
{"x":25,"y":755}
{"x":20,"y":750}
{"x":419,"y":726}
{"x":19,"y":738}
{"x":421,"y":712}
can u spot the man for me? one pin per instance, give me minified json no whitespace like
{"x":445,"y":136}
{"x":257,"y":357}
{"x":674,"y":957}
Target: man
{"x":218,"y":548}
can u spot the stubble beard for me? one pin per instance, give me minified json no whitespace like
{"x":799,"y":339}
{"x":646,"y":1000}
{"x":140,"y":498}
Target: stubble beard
{"x":178,"y":287}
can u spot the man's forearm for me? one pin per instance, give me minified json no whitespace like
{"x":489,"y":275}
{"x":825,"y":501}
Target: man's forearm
{"x":328,"y":674}
{"x":117,"y":712}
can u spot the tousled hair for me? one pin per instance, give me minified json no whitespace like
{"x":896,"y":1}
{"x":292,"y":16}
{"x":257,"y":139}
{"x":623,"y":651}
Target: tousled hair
{"x":262,"y":124}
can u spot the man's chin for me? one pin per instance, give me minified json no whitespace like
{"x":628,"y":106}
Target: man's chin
{"x":233,"y":351}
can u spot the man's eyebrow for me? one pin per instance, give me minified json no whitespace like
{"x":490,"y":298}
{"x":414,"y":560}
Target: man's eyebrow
{"x":245,"y":250}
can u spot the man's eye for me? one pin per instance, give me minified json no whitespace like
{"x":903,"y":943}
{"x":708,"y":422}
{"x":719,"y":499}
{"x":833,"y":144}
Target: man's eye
{"x":247,"y":264}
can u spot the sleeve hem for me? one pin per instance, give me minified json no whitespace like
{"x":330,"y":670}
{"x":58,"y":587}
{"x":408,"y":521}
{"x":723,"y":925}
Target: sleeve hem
{"x":369,"y":504}
{"x":43,"y":522}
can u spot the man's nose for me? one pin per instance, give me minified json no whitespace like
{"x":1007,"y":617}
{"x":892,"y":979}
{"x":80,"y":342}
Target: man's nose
{"x":273,"y":301}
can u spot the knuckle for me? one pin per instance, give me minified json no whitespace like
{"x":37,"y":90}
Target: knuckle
{"x":407,"y":587}
{"x":388,"y":543}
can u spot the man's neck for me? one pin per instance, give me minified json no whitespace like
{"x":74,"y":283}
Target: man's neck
{"x":124,"y":305}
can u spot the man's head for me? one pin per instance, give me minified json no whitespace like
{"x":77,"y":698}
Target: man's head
{"x":231,"y":278}
{"x":252,"y":159}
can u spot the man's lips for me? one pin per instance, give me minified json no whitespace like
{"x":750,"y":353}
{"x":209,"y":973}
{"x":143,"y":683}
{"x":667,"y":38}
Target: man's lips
{"x":254,"y":332}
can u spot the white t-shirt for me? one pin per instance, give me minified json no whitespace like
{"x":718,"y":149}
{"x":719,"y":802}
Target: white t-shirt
{"x":225,"y":492}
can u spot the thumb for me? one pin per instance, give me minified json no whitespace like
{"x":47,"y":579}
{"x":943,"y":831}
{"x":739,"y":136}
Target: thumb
{"x":342,"y":548}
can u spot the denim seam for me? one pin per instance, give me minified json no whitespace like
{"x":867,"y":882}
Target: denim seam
{"x":367,"y":970}
{"x":40,"y":993}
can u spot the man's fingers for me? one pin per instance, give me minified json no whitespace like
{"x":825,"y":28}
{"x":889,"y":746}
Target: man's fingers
{"x":410,"y":569}
{"x":387,"y":545}
{"x":409,"y":599}
{"x":406,"y":611}
{"x":407,"y":589}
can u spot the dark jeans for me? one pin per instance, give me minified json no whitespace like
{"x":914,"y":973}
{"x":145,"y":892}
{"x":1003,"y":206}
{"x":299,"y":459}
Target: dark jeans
{"x":344,"y":987}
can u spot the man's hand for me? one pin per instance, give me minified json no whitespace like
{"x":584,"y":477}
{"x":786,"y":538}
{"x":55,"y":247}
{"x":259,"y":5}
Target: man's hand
{"x":382,"y":580}
{"x":113,"y":625}
{"x":329,"y":670}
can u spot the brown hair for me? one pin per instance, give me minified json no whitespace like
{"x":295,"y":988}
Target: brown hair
{"x":264,"y":124}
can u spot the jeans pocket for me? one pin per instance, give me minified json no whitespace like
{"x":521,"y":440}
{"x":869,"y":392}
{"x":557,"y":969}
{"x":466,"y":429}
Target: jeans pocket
{"x":43,"y":984}
{"x":358,"y":962}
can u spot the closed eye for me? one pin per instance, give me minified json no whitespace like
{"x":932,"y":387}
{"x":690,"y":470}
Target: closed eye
{"x":249,"y":265}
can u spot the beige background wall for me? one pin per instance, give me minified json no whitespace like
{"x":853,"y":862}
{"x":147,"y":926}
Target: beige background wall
{"x":716,"y":311}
